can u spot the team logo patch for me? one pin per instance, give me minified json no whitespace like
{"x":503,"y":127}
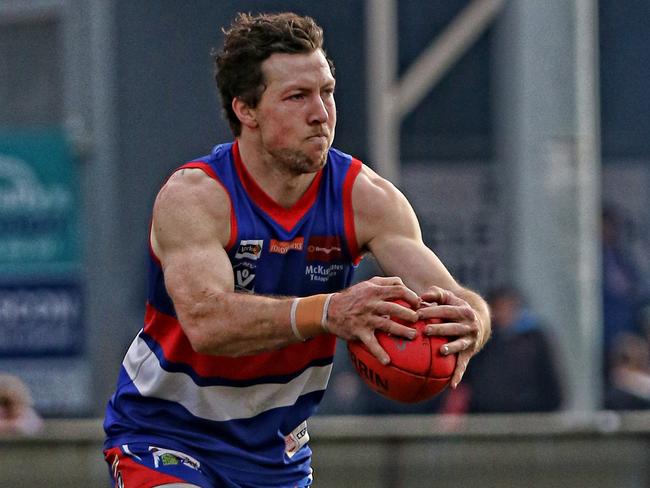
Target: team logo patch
{"x":244,"y":276}
{"x":324,"y":248}
{"x":283,"y":247}
{"x":169,"y":457}
{"x":251,"y":249}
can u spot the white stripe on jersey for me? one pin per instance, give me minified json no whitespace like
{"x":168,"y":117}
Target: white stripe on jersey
{"x":217,"y":403}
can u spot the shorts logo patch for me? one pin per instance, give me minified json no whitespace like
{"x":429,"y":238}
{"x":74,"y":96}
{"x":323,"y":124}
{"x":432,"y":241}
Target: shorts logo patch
{"x":296,"y":439}
{"x":169,"y":457}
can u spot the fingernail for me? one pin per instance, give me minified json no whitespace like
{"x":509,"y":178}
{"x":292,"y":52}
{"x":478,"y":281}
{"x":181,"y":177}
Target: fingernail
{"x":385,"y":361}
{"x":445,"y":349}
{"x":413,"y":333}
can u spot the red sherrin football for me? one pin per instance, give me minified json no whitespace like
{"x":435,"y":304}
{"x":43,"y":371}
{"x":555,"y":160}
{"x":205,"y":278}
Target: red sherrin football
{"x":416,"y":372}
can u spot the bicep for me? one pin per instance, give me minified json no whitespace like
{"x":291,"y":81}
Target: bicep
{"x":188,"y":236}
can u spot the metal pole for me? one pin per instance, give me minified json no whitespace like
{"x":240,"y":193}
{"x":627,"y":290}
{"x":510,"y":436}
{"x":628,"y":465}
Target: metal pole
{"x":441,"y":54}
{"x":381,"y":38}
{"x":546,"y":124}
{"x":106,"y":290}
{"x":588,"y":201}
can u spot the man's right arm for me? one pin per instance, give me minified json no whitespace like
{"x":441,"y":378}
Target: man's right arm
{"x":191,"y":226}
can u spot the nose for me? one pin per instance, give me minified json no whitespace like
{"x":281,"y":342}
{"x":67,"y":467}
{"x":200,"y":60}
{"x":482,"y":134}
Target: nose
{"x":319,"y":113}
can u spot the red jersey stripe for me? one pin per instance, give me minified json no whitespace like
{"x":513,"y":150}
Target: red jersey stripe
{"x":168,"y":333}
{"x":348,"y":211}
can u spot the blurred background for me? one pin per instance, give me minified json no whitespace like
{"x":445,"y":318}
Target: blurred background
{"x":518,"y":130}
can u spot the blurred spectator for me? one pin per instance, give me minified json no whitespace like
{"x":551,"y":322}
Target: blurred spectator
{"x":17,"y":416}
{"x":629,"y":377}
{"x":620,"y":282}
{"x":515,"y":371}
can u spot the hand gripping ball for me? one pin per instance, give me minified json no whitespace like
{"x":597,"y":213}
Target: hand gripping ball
{"x":417,"y":370}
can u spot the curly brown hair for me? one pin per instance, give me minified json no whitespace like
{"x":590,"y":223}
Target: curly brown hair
{"x":249,"y":41}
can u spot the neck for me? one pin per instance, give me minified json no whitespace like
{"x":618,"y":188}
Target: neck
{"x":282,"y":185}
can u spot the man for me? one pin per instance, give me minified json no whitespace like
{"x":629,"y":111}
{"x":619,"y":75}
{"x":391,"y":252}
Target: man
{"x":517,"y":371}
{"x":253,"y":249}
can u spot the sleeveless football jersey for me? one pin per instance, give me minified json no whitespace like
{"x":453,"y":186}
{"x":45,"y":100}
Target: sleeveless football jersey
{"x":247,"y":414}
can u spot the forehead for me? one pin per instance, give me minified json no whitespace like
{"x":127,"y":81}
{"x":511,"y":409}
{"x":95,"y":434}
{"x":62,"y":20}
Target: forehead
{"x":282,"y":70}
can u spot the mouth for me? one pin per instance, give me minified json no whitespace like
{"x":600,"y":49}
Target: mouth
{"x":319,"y":137}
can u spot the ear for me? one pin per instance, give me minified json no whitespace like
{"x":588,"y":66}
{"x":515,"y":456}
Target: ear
{"x":246,"y":115}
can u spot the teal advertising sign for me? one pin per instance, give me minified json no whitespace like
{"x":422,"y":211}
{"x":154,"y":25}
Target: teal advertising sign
{"x":41,"y":292}
{"x":39,"y":201}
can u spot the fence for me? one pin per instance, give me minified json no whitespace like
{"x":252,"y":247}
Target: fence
{"x":601,"y":450}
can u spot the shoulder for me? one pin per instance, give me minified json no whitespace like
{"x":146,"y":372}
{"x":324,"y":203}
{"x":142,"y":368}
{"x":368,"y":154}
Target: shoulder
{"x":374,"y":195}
{"x":191,"y":203}
{"x":193,"y":188}
{"x":380,"y":206}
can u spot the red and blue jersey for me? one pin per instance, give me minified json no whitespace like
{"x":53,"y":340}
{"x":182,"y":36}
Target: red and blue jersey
{"x":247,"y":414}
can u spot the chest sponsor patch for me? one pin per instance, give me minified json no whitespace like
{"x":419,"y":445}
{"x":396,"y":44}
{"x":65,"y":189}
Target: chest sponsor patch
{"x":250,"y":249}
{"x":323,"y":272}
{"x":283,"y":247}
{"x":324,"y":248}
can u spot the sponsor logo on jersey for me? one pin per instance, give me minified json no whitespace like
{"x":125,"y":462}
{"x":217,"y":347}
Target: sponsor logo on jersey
{"x":283,"y":247}
{"x":322,"y":272}
{"x":324,"y":248}
{"x":251,"y":249}
{"x":244,"y":276}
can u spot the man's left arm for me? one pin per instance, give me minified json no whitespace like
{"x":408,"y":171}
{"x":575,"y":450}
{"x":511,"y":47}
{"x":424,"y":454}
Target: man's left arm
{"x":387,"y":226}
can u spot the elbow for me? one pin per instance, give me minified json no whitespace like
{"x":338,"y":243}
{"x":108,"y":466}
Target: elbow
{"x":199,"y":342}
{"x":199,"y":319}
{"x":197,"y":330}
{"x":208,"y":337}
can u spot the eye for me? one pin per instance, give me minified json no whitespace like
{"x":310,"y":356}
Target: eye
{"x":296,"y":96}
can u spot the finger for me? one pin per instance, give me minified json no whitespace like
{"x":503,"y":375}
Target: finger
{"x":459,"y":345}
{"x":461,"y":367}
{"x":447,"y":329}
{"x":375,"y":349}
{"x":448,"y":312}
{"x":400,"y":292}
{"x":433,"y":294}
{"x":387,"y":280}
{"x":440,"y":295}
{"x":397,"y":311}
{"x":396,"y":329}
